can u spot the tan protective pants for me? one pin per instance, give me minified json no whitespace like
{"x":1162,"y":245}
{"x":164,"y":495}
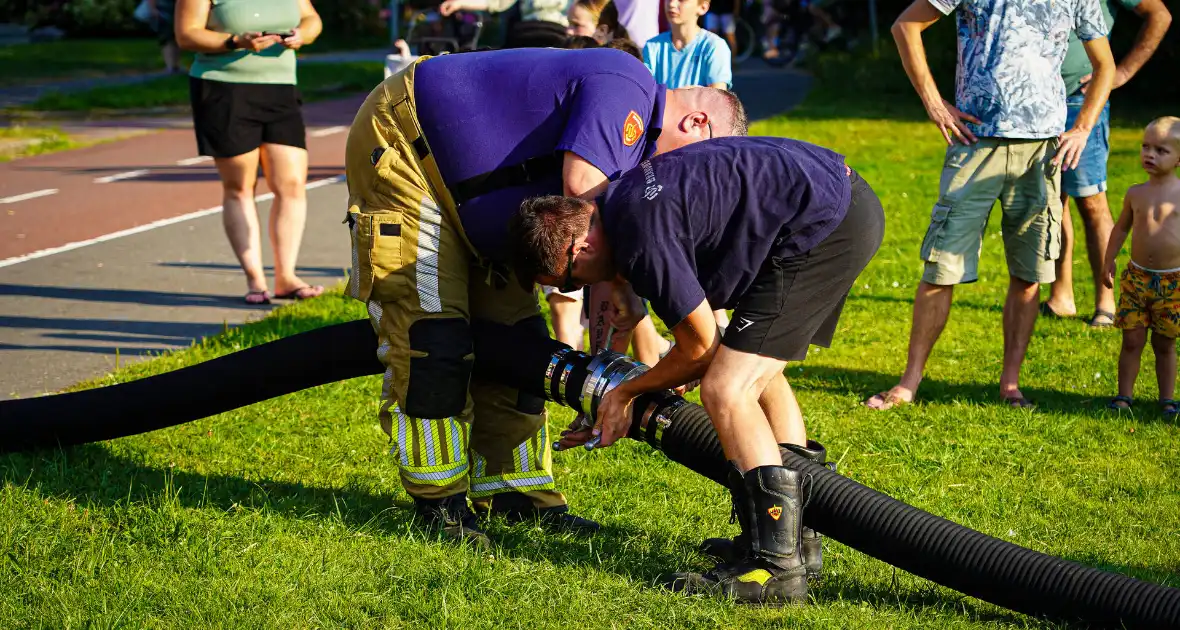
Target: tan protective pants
{"x":423,"y":283}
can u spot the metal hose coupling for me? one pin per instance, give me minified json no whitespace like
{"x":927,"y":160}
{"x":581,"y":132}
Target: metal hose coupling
{"x":599,"y":374}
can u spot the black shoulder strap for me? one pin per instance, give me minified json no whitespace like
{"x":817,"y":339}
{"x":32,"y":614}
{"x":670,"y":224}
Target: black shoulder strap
{"x":531,"y":170}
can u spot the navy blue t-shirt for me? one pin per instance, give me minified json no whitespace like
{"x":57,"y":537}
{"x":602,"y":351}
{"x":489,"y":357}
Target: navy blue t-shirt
{"x":697,"y":223}
{"x":485,"y":110}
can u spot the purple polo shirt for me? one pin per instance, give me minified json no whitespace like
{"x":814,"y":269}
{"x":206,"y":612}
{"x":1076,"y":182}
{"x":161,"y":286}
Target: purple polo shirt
{"x":699,"y":222}
{"x":485,"y":110}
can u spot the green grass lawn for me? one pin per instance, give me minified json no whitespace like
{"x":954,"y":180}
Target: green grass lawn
{"x":289,"y":513}
{"x":317,"y":81}
{"x":18,"y":142}
{"x":79,"y":58}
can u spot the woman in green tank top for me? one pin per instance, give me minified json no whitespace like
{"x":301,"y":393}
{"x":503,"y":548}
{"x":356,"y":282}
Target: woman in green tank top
{"x":247,"y":110}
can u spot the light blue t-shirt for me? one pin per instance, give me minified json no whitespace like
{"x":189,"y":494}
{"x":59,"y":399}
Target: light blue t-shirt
{"x":704,"y":61}
{"x":1010,"y":55}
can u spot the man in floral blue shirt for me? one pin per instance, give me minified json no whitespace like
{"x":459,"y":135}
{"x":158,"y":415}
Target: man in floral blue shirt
{"x":1007,"y":142}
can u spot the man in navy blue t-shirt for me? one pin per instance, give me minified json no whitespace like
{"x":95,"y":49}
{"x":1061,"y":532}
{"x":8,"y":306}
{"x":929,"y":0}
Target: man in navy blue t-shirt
{"x":776,"y":229}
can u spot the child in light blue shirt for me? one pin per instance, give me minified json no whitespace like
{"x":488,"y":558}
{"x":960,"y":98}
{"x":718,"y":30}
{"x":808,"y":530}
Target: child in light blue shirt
{"x":687,"y":54}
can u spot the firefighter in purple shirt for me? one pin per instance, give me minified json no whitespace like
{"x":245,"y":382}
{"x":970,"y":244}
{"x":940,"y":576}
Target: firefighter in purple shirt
{"x":438,"y":159}
{"x":776,"y":229}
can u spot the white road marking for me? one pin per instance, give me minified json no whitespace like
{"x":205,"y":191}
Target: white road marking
{"x":327,"y":131}
{"x":118,"y":176}
{"x":29,"y":195}
{"x":8,"y":262}
{"x":194,"y":160}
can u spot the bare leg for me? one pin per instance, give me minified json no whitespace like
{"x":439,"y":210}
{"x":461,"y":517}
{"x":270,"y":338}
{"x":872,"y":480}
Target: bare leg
{"x":567,"y":320}
{"x":722,"y":317}
{"x":730,"y":392}
{"x":782,"y":411}
{"x":1061,"y":291}
{"x":239,"y":175}
{"x":1165,"y":364}
{"x":1133,"y":342}
{"x":286,"y":174}
{"x":648,"y":343}
{"x":1095,"y":213}
{"x":932,"y":307}
{"x":1020,"y":314}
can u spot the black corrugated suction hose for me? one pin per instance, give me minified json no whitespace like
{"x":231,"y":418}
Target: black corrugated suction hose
{"x":941,"y":551}
{"x":923,"y":544}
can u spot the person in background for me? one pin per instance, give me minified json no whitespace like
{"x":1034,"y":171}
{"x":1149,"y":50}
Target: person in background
{"x":596,"y":18}
{"x":247,"y":111}
{"x":1150,"y":284}
{"x":688,"y":54}
{"x":542,"y":24}
{"x":1007,"y":141}
{"x":721,"y":18}
{"x":641,"y":18}
{"x":162,"y":13}
{"x":626,"y":45}
{"x":1087,"y":183}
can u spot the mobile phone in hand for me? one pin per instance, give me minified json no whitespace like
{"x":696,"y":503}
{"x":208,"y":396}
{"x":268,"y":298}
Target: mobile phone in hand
{"x":281,"y":34}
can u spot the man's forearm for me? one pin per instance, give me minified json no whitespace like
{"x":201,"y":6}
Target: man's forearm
{"x":908,"y":36}
{"x":674,"y":370}
{"x":1155,"y":26}
{"x":1096,"y":96}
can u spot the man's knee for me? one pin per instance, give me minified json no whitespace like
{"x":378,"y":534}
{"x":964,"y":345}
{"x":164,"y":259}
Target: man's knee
{"x":1093,"y":209}
{"x":441,"y":362}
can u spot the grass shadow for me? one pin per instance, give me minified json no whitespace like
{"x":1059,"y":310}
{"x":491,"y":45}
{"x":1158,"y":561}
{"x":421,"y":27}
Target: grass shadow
{"x":864,"y":383}
{"x":94,"y":478}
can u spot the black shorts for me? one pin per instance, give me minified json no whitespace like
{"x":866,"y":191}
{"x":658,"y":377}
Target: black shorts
{"x":795,"y":302}
{"x":235,"y":118}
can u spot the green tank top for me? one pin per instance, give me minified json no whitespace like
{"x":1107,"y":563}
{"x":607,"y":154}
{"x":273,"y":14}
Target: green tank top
{"x":273,"y":65}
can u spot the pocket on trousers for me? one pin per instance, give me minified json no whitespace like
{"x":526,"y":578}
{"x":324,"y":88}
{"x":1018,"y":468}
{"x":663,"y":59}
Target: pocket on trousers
{"x":377,"y":257}
{"x":932,"y":242}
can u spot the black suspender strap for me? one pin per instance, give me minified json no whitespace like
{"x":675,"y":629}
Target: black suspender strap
{"x":531,"y":170}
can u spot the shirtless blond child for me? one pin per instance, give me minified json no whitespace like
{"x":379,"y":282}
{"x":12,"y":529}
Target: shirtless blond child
{"x":1149,"y":288}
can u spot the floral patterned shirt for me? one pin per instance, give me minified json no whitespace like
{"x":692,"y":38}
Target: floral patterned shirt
{"x":1010,"y":55}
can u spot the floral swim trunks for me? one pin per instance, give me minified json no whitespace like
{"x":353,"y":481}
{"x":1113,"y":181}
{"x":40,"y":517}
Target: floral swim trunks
{"x":1149,"y":299}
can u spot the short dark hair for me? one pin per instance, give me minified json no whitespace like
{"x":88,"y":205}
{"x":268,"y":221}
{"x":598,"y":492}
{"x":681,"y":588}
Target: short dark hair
{"x":739,"y":123}
{"x":540,"y":234}
{"x":627,"y":46}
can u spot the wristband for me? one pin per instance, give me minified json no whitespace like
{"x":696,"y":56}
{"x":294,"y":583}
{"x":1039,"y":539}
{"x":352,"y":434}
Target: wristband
{"x":229,"y":43}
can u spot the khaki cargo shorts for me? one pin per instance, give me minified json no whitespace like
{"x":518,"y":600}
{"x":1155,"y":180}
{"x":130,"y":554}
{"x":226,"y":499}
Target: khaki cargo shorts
{"x":1017,"y":173}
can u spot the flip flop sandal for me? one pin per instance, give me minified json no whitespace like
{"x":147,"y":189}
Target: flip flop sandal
{"x":1170,"y":408}
{"x":258,"y":298}
{"x":1114,"y":403}
{"x":305,"y":292}
{"x":1094,"y":323}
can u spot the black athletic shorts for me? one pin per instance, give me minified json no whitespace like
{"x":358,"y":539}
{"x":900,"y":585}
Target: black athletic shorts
{"x":795,"y":302}
{"x":235,"y":118}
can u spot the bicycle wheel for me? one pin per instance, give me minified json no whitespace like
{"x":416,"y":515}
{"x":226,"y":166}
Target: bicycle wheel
{"x":746,"y":39}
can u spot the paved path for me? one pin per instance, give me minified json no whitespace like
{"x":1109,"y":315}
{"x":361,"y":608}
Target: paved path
{"x":127,"y":253}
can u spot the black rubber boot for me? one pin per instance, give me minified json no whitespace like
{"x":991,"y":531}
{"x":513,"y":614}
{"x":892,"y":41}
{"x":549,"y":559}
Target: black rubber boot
{"x":730,"y":550}
{"x":812,"y":541}
{"x":516,"y":507}
{"x":772,"y":573}
{"x":451,"y":516}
